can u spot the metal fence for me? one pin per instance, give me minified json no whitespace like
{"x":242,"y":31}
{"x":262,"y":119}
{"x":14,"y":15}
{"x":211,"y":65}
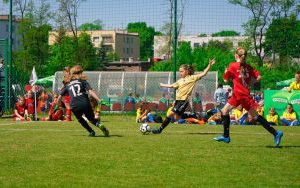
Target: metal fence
{"x":116,"y":87}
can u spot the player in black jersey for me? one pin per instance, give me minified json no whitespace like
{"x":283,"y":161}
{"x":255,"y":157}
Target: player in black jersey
{"x":78,"y":89}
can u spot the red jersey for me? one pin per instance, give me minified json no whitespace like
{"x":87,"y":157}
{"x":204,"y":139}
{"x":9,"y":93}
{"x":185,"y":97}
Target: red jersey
{"x":30,"y":105}
{"x":241,"y":77}
{"x":20,"y":108}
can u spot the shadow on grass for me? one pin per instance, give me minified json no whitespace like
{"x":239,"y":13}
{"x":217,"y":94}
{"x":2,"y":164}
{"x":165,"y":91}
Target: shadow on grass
{"x":101,"y":136}
{"x":282,"y":146}
{"x":206,"y":133}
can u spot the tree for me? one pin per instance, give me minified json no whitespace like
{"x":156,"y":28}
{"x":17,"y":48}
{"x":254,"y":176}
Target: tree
{"x":146,"y":34}
{"x":226,"y":33}
{"x":167,"y":28}
{"x":96,"y":25}
{"x":283,"y":37}
{"x":256,"y":26}
{"x":40,"y":15}
{"x":69,"y":9}
{"x":70,"y":51}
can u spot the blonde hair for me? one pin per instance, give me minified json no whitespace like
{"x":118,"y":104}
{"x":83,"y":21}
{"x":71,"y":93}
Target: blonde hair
{"x":189,"y":68}
{"x":242,"y":54}
{"x":76,"y":73}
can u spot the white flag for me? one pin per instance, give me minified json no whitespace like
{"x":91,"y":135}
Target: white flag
{"x":33,"y":77}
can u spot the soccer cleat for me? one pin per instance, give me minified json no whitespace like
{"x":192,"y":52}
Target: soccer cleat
{"x":277,"y":138}
{"x":103,"y":129}
{"x":156,"y":131}
{"x":222,"y":139}
{"x":92,"y":134}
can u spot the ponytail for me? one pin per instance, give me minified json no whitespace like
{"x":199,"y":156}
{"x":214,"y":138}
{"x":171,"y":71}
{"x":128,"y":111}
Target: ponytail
{"x":189,"y":68}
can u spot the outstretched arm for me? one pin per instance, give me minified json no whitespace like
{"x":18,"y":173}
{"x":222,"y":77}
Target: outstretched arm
{"x":205,"y":71}
{"x":94,"y":95}
{"x":166,"y":85}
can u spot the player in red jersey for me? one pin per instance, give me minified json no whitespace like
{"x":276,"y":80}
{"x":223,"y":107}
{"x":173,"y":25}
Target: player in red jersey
{"x":66,"y":98}
{"x":29,"y":101}
{"x":56,"y":111}
{"x":20,"y":111}
{"x":242,"y":75}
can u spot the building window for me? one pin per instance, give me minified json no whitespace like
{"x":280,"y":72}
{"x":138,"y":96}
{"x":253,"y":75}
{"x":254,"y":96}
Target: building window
{"x":107,"y":39}
{"x":124,"y":50}
{"x":131,"y":40}
{"x":196,"y":45}
{"x":131,"y":50}
{"x":127,"y":40}
{"x":96,"y":39}
{"x":127,"y":50}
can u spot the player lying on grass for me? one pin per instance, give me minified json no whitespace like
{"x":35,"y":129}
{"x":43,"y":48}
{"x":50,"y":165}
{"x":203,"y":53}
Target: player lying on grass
{"x":56,"y":111}
{"x":78,"y":89}
{"x":241,"y":75}
{"x":184,"y":86}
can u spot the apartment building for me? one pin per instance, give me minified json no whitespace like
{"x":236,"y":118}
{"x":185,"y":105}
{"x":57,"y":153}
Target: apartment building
{"x":161,"y":43}
{"x":4,"y":31}
{"x":125,"y":45}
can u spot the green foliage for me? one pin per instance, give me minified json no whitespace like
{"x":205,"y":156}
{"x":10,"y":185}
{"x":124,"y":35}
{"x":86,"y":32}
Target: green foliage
{"x":223,"y":54}
{"x":96,"y":25}
{"x":199,"y":57}
{"x":283,"y":37}
{"x":185,"y":54}
{"x":146,"y":34}
{"x":202,"y":35}
{"x":35,"y":49}
{"x":71,"y":51}
{"x":226,"y":33}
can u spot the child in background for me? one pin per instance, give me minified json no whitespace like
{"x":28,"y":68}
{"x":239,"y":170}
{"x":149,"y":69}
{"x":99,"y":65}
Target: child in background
{"x":20,"y":112}
{"x":215,"y":119}
{"x":143,"y":114}
{"x":56,"y":111}
{"x":66,"y":98}
{"x":289,"y":117}
{"x":29,"y":102}
{"x":272,"y":117}
{"x":96,"y":107}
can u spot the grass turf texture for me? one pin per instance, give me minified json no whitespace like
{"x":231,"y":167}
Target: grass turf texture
{"x":60,"y":154}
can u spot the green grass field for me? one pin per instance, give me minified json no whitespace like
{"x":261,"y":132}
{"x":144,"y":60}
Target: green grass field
{"x":60,"y":154}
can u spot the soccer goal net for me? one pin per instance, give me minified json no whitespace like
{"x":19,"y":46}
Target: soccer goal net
{"x":118,"y":86}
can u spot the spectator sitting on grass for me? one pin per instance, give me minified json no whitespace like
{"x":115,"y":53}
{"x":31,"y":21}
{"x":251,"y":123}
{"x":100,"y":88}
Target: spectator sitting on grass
{"x":272,"y":117}
{"x":215,"y":119}
{"x":20,"y":112}
{"x":289,"y":117}
{"x":143,"y":114}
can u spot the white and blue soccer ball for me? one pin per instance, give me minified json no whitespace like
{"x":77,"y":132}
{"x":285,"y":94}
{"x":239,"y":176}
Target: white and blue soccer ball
{"x":145,"y":128}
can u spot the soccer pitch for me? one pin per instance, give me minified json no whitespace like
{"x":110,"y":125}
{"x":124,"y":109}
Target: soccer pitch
{"x":60,"y":154}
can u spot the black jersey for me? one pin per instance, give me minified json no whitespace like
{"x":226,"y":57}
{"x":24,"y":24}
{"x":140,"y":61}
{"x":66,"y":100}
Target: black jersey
{"x":78,"y":91}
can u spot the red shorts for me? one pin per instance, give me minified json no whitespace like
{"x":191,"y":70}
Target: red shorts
{"x":67,"y":99}
{"x":247,"y":102}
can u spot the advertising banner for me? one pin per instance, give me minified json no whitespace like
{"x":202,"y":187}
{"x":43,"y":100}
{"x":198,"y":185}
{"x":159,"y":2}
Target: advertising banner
{"x":279,"y":100}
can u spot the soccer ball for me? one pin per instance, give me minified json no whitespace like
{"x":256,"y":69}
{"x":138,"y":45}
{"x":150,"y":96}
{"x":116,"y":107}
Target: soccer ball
{"x":145,"y":128}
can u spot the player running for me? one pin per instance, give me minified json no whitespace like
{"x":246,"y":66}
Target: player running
{"x":241,"y":75}
{"x":78,"y":89}
{"x":184,"y":87}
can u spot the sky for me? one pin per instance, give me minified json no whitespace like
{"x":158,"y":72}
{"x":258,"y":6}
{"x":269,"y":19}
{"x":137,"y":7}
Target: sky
{"x":200,"y":16}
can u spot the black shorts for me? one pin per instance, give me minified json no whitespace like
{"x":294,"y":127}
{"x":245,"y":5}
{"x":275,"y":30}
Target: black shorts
{"x":180,"y":106}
